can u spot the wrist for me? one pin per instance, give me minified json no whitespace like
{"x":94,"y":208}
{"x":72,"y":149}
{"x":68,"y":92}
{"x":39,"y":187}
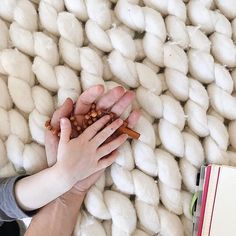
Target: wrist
{"x":71,"y":197}
{"x":78,"y":192}
{"x":63,"y":177}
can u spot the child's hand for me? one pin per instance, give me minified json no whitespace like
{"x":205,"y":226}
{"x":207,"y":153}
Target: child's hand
{"x":117,"y":99}
{"x":83,"y":156}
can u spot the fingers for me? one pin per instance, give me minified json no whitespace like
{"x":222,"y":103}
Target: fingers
{"x":133,"y":118}
{"x":123,"y":103}
{"x":111,"y":146}
{"x":92,"y":130}
{"x":62,"y":111}
{"x":107,"y":132}
{"x":107,"y":161}
{"x":51,"y":145}
{"x":65,"y":130}
{"x":87,"y":98}
{"x":110,"y":98}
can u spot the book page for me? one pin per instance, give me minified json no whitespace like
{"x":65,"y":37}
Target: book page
{"x":210,"y":199}
{"x":223,"y":220}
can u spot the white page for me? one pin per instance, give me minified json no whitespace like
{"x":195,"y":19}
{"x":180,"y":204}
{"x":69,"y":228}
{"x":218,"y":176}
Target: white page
{"x":224,"y":214}
{"x":210,"y":199}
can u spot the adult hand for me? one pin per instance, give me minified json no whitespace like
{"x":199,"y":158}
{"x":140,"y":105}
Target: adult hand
{"x":117,"y":100}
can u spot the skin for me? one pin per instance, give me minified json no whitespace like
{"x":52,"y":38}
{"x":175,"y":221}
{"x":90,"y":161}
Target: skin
{"x":61,"y":214}
{"x":67,"y":169}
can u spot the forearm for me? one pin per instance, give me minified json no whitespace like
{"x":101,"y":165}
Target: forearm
{"x":58,"y":217}
{"x":37,"y":190}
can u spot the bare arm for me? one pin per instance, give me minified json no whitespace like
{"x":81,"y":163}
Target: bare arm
{"x":58,"y":217}
{"x":37,"y":190}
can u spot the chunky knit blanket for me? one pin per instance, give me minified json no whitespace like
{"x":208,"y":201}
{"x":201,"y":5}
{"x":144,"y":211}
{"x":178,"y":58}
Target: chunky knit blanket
{"x":179,"y":56}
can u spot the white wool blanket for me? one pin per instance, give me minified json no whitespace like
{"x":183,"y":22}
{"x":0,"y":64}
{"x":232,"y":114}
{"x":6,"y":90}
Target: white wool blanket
{"x":179,"y":56}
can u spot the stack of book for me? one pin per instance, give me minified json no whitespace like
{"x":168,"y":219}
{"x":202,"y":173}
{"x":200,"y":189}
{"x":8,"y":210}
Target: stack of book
{"x":215,"y":211}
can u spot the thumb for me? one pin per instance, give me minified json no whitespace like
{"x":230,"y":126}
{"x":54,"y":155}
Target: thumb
{"x":65,"y":130}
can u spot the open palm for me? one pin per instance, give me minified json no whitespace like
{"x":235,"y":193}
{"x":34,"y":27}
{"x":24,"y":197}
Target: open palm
{"x":117,"y":100}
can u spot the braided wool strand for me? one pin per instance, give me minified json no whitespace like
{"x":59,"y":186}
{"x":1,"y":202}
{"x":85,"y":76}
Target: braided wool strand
{"x":179,"y":57}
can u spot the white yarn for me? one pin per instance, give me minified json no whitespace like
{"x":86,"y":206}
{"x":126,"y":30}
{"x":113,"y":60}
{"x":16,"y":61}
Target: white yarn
{"x":216,"y":143}
{"x":171,"y":224}
{"x":22,"y":11}
{"x":179,"y":57}
{"x":6,"y":101}
{"x":20,"y":83}
{"x":25,"y":155}
{"x":11,"y":120}
{"x":104,"y":206}
{"x":145,"y":190}
{"x":29,"y":157}
{"x":103,"y":209}
{"x":187,"y":224}
{"x":3,"y":157}
{"x":233,"y":24}
{"x":47,"y":56}
{"x":87,"y":225}
{"x":76,"y":56}
{"x":33,"y":43}
{"x":223,"y":48}
{"x":68,"y":82}
{"x":232,"y":129}
{"x":173,"y":117}
{"x":171,"y":125}
{"x":196,"y":109}
{"x":228,"y":8}
{"x":169,"y":181}
{"x":169,"y":7}
{"x":48,"y":13}
{"x":8,"y":170}
{"x":126,"y":182}
{"x":148,"y":20}
{"x":146,"y":196}
{"x":4,"y":35}
{"x":208,"y":20}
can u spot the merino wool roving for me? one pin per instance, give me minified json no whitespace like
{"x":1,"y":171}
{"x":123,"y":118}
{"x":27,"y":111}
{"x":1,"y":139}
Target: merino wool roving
{"x":178,"y":56}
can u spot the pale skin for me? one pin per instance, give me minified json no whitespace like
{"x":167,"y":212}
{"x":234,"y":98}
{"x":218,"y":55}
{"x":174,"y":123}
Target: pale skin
{"x":61,"y":214}
{"x":69,"y":166}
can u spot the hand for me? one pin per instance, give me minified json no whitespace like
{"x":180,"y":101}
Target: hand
{"x":52,"y":141}
{"x":80,"y":157}
{"x":116,"y":99}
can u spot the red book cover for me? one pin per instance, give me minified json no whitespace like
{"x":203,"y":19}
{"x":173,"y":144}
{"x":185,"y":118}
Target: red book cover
{"x":204,"y":198}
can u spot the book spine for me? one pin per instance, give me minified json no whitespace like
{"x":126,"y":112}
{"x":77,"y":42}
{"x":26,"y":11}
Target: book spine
{"x":199,"y":189}
{"x":210,"y":199}
{"x":204,"y":199}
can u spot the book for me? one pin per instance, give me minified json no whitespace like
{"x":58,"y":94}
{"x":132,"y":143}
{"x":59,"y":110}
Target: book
{"x":215,"y":212}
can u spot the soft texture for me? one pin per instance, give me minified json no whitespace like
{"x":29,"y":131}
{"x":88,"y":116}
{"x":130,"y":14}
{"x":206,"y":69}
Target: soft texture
{"x":178,"y":56}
